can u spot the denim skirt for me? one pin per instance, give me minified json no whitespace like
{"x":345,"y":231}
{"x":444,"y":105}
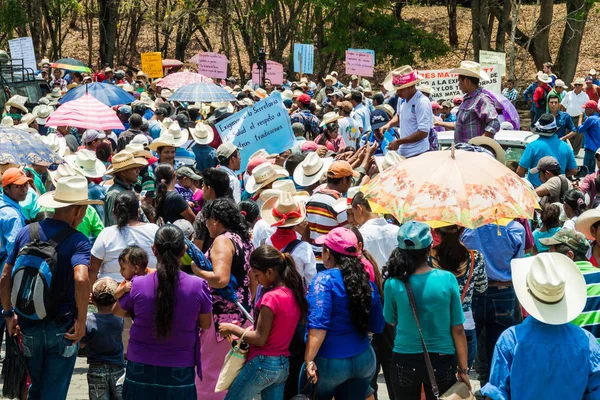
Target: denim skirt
{"x":147,"y":382}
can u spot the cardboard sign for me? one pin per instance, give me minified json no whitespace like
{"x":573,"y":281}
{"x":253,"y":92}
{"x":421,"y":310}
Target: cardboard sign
{"x":152,"y":64}
{"x":23,"y":48}
{"x":213,"y":65}
{"x":359,"y":63}
{"x":491,"y":58}
{"x":304,"y":58}
{"x":274,"y":73}
{"x":445,"y":84}
{"x":265,"y":125}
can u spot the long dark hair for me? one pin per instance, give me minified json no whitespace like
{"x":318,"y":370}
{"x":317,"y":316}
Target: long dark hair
{"x":126,"y":208}
{"x":266,"y":256}
{"x":575,"y":199}
{"x":227,"y":212}
{"x":403,"y":263}
{"x":369,"y":256}
{"x":250,"y":211}
{"x":358,"y":289}
{"x":165,"y":173}
{"x":451,"y":253}
{"x":169,"y":243}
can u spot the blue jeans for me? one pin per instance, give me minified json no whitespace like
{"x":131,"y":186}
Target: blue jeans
{"x":264,"y":376}
{"x":589,"y":161}
{"x":343,"y":378}
{"x":50,"y":357}
{"x":102,"y":381}
{"x":471,"y":345}
{"x":149,"y":382}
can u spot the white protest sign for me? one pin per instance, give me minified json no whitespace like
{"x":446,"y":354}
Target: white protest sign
{"x":359,"y":63}
{"x":445,"y":84}
{"x":491,"y":58}
{"x":213,"y":65}
{"x":23,"y":48}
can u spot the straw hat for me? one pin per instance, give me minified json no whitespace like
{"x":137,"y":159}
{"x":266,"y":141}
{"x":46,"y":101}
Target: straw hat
{"x":63,"y":170}
{"x":7,"y":121}
{"x":203,"y":134}
{"x":579,"y":81}
{"x":331,"y":78}
{"x":330,"y":117}
{"x":163,"y":140}
{"x":219,"y":104}
{"x":138,"y":150}
{"x":261,"y":153}
{"x":283,"y":211}
{"x":17,"y":101}
{"x":264,"y":174}
{"x":544,"y":77}
{"x":123,"y":161}
{"x":179,"y":135}
{"x":424,"y":88}
{"x":165,"y":93}
{"x":390,"y":159}
{"x":87,"y":163}
{"x":57,"y":144}
{"x":472,"y":69}
{"x":70,"y":190}
{"x":42,"y":112}
{"x":260,"y":93}
{"x":550,"y":287}
{"x":27,"y":119}
{"x":283,"y":185}
{"x":145,"y":99}
{"x":489,"y":142}
{"x":311,"y":169}
{"x":128,"y":88}
{"x":586,"y":220}
{"x":404,"y":77}
{"x":54,"y":95}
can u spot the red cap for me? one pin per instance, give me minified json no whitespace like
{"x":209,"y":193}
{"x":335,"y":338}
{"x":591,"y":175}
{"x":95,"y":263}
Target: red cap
{"x":16,"y":176}
{"x":256,"y":161}
{"x":435,"y":105}
{"x":457,"y":99}
{"x":590,"y":104}
{"x":304,"y":98}
{"x":308,"y":145}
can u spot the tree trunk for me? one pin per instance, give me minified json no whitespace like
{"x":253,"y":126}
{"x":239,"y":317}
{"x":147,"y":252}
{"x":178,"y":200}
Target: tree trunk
{"x":480,"y":13}
{"x":109,"y":14}
{"x":539,"y":49}
{"x":398,"y":6}
{"x":568,"y":53}
{"x":452,"y":29}
{"x":502,"y":23}
{"x":35,"y":26}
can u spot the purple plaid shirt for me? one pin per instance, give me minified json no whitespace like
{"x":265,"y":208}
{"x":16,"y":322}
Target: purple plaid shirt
{"x":309,"y":120}
{"x":475,"y":115}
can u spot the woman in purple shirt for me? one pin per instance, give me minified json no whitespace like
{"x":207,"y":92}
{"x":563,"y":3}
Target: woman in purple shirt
{"x":168,"y":308}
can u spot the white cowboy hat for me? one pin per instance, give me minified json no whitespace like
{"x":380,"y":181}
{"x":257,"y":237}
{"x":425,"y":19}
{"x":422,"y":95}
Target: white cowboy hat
{"x":26,"y":127}
{"x":166,"y":123}
{"x":57,"y":144}
{"x":486,"y":141}
{"x":7,"y":121}
{"x":165,"y":93}
{"x":261,"y":153}
{"x":330,"y":78}
{"x":544,"y":77}
{"x":287,"y":95}
{"x":390,"y":159}
{"x":128,"y":88}
{"x":472,"y":69}
{"x":138,"y":150}
{"x":550,"y":287}
{"x":180,"y":135}
{"x":17,"y":101}
{"x":145,"y":99}
{"x":55,"y":94}
{"x":264,"y":174}
{"x":283,"y":211}
{"x":63,"y":170}
{"x":42,"y":112}
{"x":330,"y":117}
{"x":27,"y":119}
{"x":87,"y":163}
{"x":424,"y":88}
{"x":586,"y":220}
{"x":283,"y":185}
{"x":163,"y":140}
{"x":125,"y":160}
{"x":311,"y":169}
{"x":70,"y":190}
{"x":203,"y":134}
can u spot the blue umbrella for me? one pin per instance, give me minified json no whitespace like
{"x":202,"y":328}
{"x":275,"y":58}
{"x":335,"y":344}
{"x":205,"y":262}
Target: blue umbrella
{"x":21,"y":147}
{"x":201,"y":92}
{"x":109,"y":94}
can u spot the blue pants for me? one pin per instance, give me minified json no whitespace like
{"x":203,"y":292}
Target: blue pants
{"x":344,"y":378}
{"x":264,"y":376}
{"x":589,"y":161}
{"x":471,"y":345}
{"x":50,"y":357}
{"x":102,"y":381}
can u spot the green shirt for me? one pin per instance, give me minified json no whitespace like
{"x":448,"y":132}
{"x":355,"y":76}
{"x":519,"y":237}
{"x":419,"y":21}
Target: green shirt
{"x":438,"y":307}
{"x":560,"y":96}
{"x":91,"y":225}
{"x":37,"y":180}
{"x":589,"y":319}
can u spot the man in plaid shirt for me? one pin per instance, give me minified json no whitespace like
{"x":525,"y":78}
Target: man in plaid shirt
{"x":510,"y":92}
{"x":305,"y":117}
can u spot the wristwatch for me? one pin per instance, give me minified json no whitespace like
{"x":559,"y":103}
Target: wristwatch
{"x":8,"y":313}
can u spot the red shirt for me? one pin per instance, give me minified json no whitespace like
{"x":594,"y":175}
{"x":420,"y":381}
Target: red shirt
{"x":539,"y":95}
{"x":593,"y":92}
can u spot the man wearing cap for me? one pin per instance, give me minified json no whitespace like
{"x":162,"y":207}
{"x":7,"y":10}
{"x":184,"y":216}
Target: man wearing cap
{"x":546,"y":356}
{"x":15,"y":185}
{"x":123,"y":112}
{"x":135,"y":125}
{"x":592,"y":90}
{"x":573,"y":103}
{"x":91,"y":139}
{"x":554,"y":185}
{"x":510,"y":92}
{"x":305,"y":117}
{"x":559,"y":90}
{"x":230,"y":161}
{"x":591,"y":131}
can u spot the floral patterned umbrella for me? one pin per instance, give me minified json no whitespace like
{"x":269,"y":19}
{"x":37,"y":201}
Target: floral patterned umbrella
{"x":179,"y":79}
{"x":21,"y":147}
{"x":452,"y":187}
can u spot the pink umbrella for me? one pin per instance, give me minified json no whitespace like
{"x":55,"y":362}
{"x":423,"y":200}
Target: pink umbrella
{"x":87,"y":113}
{"x":170,"y":63}
{"x":179,"y":79}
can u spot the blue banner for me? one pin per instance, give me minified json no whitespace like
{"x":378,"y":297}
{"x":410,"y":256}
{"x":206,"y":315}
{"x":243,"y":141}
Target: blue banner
{"x":306,"y":52}
{"x":264,"y":125}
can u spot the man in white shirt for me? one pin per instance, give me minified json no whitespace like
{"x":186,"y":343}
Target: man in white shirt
{"x":361,"y":113}
{"x":230,"y":161}
{"x":573,"y":104}
{"x":348,"y":127}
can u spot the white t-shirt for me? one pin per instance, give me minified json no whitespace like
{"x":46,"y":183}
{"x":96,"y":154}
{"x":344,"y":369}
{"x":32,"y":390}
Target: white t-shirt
{"x":573,"y":103}
{"x":305,"y":260}
{"x":349,"y":129}
{"x":415,"y":115}
{"x":380,"y":239}
{"x":261,"y":232}
{"x":112,"y":241}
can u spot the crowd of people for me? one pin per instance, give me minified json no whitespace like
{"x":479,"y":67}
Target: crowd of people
{"x":149,"y":250}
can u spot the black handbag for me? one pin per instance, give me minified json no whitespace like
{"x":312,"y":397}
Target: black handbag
{"x":302,"y":396}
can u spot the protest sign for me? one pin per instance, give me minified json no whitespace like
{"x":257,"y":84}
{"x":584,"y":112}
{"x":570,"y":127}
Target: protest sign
{"x":23,"y":48}
{"x":491,"y":58}
{"x":359,"y":63}
{"x":274,"y":73}
{"x":213,"y":65}
{"x":371,"y":52}
{"x":265,"y":125}
{"x":445,"y":84}
{"x":152,"y":64}
{"x":304,"y":58}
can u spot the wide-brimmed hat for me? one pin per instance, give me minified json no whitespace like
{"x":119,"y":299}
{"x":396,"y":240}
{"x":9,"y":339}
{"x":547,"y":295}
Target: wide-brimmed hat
{"x":54,"y":94}
{"x":331,"y":78}
{"x":390,"y":159}
{"x":579,"y":81}
{"x":138,"y":150}
{"x":163,"y":140}
{"x":550,"y":287}
{"x":179,"y":135}
{"x":472,"y":69}
{"x":404,"y":77}
{"x":27,"y":119}
{"x":260,"y":93}
{"x":491,"y":143}
{"x":165,"y":93}
{"x":283,"y":185}
{"x":87,"y":163}
{"x":18,"y":102}
{"x":330,"y":117}
{"x":219,"y":115}
{"x":545,"y":125}
{"x":56,"y":143}
{"x":7,"y":121}
{"x":147,"y":100}
{"x":424,"y":88}
{"x":283,"y":211}
{"x":63,"y":170}
{"x":264,"y":174}
{"x":311,"y":169}
{"x":586,"y":220}
{"x":26,"y":127}
{"x":70,"y":191}
{"x":123,"y":161}
{"x":560,"y":83}
{"x":542,"y":77}
{"x":203,"y":134}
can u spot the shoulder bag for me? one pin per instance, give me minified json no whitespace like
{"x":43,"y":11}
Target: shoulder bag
{"x":466,"y":288}
{"x":233,"y":364}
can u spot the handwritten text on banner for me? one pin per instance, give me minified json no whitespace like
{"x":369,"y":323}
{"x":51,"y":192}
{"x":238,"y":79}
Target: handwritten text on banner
{"x":359,"y":63}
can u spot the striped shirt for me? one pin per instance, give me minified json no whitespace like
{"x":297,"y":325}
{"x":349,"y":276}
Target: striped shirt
{"x":321,"y":215}
{"x":589,"y":319}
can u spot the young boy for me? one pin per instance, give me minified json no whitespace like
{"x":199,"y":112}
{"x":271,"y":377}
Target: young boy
{"x":104,"y":343}
{"x":133,"y":261}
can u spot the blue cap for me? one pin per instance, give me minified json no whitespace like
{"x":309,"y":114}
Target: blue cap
{"x":414,"y":235}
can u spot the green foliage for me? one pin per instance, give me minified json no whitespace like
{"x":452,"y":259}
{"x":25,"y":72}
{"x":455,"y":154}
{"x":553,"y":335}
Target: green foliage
{"x":12,"y":16}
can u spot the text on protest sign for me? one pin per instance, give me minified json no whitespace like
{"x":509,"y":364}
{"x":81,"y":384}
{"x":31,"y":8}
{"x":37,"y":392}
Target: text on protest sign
{"x":491,"y":58}
{"x":22,"y":48}
{"x":274,"y":73}
{"x":359,"y":63}
{"x":152,"y":64}
{"x":445,"y":84}
{"x":213,"y":65}
{"x":265,"y":125}
{"x":304,"y":58}
{"x":371,"y":52}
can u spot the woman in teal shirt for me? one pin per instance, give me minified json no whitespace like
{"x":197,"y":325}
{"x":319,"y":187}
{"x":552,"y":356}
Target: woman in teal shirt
{"x":440,"y":315}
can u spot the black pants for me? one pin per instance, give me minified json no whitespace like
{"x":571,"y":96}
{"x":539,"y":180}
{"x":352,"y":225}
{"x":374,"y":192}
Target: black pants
{"x":409,"y":372}
{"x":297,"y":347}
{"x":383,"y":344}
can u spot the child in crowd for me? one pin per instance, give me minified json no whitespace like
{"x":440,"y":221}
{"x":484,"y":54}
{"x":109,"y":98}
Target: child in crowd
{"x":103,"y":339}
{"x":550,"y":225}
{"x":188,"y":232}
{"x":133,"y":261}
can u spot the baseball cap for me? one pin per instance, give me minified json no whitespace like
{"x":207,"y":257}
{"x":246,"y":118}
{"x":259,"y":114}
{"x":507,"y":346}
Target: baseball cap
{"x":91,"y":134}
{"x":346,"y":106}
{"x":298,"y":129}
{"x":185,"y":226}
{"x":341,"y":169}
{"x":588,"y":79}
{"x":572,"y":238}
{"x":188,"y":172}
{"x":447,"y":104}
{"x":14,"y":176}
{"x":414,"y":235}
{"x":547,"y":163}
{"x":457,"y":99}
{"x":304,"y":98}
{"x":141,"y":139}
{"x":104,"y":286}
{"x":590,"y":104}
{"x":354,"y":77}
{"x":125,"y":110}
{"x":435,"y":105}
{"x":340,"y":240}
{"x":379,"y":118}
{"x":226,"y":150}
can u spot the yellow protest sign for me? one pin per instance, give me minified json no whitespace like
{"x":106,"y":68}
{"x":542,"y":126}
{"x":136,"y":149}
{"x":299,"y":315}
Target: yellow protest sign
{"x":152,"y":64}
